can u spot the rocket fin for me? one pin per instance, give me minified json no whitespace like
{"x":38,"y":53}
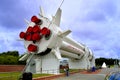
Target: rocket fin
{"x":19,"y":39}
{"x":23,"y":58}
{"x":26,"y":21}
{"x":57,"y":17}
{"x":42,"y":12}
{"x":65,"y":33}
{"x":57,"y":53}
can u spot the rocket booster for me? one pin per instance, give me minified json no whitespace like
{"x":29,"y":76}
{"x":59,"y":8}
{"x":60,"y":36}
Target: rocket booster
{"x":43,"y":36}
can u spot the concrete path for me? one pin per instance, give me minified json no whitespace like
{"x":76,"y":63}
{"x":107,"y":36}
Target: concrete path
{"x":100,"y":76}
{"x":79,"y":76}
{"x":109,"y":70}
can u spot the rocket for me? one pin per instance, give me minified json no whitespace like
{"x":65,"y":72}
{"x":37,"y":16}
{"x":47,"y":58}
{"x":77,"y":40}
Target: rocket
{"x":43,"y":36}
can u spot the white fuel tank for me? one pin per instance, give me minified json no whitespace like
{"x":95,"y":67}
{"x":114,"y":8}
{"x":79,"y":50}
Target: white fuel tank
{"x":70,"y":55}
{"x":74,"y":43}
{"x":70,"y":48}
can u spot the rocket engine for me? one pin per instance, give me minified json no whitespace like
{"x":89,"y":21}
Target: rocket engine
{"x":43,"y":37}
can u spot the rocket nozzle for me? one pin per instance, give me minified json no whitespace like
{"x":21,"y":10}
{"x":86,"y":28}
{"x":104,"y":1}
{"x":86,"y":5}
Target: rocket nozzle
{"x":45,"y":31}
{"x":35,"y":33}
{"x":30,"y":29}
{"x":36,"y":20}
{"x":32,"y":48}
{"x":36,"y":37}
{"x":28,"y":37}
{"x":22,"y":35}
{"x":36,"y":28}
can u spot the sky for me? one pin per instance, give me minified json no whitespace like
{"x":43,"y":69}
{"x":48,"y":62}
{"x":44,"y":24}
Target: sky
{"x":95,"y":23}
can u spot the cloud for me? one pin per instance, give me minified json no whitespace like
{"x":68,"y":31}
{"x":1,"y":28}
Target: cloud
{"x":9,"y":41}
{"x":13,"y":13}
{"x":89,"y":10}
{"x":10,"y":15}
{"x":96,"y":24}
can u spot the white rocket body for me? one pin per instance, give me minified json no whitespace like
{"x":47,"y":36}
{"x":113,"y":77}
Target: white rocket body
{"x":59,"y":44}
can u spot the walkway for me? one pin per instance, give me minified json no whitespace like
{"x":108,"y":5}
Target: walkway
{"x":109,"y":70}
{"x":99,"y":76}
{"x":79,"y":76}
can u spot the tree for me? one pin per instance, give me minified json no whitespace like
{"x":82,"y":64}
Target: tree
{"x":108,"y":61}
{"x":13,"y":53}
{"x":10,"y":58}
{"x":2,"y":59}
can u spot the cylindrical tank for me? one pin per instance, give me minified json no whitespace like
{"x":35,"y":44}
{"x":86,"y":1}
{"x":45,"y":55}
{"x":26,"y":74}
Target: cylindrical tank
{"x":70,"y":48}
{"x":70,"y":55}
{"x":74,"y":43}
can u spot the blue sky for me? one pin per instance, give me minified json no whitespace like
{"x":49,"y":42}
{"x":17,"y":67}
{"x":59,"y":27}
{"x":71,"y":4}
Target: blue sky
{"x":95,"y":23}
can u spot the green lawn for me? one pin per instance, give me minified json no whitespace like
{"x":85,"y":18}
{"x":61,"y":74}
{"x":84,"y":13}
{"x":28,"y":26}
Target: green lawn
{"x":15,"y":75}
{"x":41,"y":75}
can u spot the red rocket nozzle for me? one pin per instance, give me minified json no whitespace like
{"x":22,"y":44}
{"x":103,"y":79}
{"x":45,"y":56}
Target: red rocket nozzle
{"x":22,"y":35}
{"x":44,"y":31}
{"x":36,"y":20}
{"x":36,"y":37}
{"x":28,"y":37}
{"x":29,"y":30}
{"x":35,"y":33}
{"x":32,"y":48}
{"x":36,"y":28}
{"x":32,"y":33}
{"x":48,"y":32}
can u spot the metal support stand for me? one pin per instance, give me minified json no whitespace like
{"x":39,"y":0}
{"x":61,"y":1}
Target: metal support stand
{"x":20,"y":77}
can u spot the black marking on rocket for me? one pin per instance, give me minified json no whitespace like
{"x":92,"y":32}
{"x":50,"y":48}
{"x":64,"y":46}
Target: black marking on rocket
{"x":45,"y":52}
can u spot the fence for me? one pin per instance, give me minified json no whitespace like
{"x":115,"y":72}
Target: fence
{"x":52,"y":71}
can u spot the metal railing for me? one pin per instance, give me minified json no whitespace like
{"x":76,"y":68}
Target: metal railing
{"x":52,"y":71}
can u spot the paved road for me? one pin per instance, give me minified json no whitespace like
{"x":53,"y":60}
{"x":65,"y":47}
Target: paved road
{"x":79,"y":76}
{"x":109,"y":70}
{"x":99,"y":76}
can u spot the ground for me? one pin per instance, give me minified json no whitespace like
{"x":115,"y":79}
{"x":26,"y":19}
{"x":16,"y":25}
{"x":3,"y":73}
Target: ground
{"x":78,"y":76}
{"x":98,"y":75}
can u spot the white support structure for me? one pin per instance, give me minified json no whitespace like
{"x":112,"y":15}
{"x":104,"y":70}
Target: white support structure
{"x":83,"y":63}
{"x":78,"y":64}
{"x":44,"y":64}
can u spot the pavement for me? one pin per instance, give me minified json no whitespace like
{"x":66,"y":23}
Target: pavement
{"x":79,"y":76}
{"x":98,"y":76}
{"x":109,"y":70}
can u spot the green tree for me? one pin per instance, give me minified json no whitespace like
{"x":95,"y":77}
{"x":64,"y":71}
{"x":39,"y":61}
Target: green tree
{"x":13,"y":53}
{"x":2,"y":59}
{"x":108,"y":61}
{"x":10,"y":58}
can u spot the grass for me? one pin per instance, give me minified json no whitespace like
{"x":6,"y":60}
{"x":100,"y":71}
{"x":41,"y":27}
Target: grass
{"x":5,"y":74}
{"x":41,"y":75}
{"x":15,"y":75}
